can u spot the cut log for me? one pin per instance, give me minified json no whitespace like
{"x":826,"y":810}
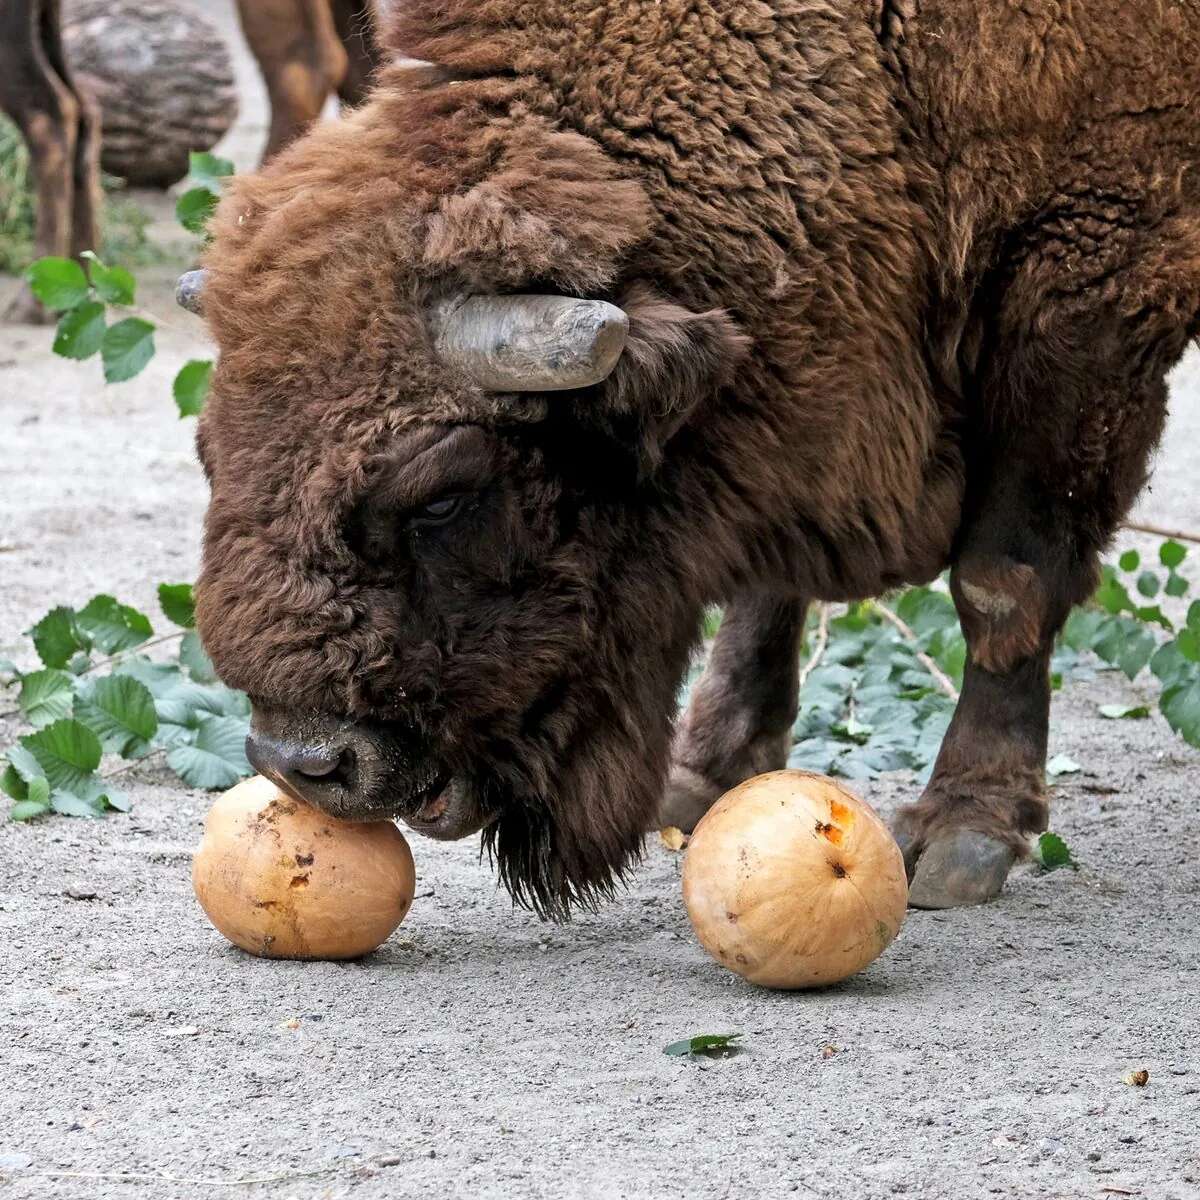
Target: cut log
{"x":163,"y":78}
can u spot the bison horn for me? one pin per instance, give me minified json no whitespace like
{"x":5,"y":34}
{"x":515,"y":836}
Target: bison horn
{"x":531,"y":343}
{"x":189,"y":291}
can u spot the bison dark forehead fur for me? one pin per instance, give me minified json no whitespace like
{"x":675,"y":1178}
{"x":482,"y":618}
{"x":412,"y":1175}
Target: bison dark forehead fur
{"x":795,"y":202}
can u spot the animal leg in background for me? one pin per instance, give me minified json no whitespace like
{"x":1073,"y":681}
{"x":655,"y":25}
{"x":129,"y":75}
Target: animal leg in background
{"x":355,"y":22}
{"x":301,"y":58}
{"x":61,"y":128}
{"x":739,"y":721}
{"x":1073,"y":399}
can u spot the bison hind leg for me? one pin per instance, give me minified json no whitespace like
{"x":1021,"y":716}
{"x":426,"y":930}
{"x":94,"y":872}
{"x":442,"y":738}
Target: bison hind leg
{"x":740,"y":718}
{"x":1071,"y":400}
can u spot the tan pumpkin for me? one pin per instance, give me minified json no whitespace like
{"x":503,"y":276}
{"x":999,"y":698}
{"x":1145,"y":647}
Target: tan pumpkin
{"x":792,"y":881}
{"x":284,"y":880}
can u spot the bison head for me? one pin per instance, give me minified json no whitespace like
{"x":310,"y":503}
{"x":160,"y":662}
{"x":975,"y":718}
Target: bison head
{"x":443,"y":551}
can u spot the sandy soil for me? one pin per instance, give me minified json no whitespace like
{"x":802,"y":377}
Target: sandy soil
{"x":481,"y":1053}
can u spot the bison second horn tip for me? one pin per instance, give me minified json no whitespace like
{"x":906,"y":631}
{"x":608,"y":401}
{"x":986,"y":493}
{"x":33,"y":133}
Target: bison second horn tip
{"x":189,"y":291}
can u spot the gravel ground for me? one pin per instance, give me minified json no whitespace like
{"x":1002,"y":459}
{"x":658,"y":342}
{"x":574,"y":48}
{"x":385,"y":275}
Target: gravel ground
{"x":482,"y":1053}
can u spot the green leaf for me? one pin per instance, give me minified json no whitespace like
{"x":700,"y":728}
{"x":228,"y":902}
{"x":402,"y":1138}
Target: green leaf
{"x":217,"y":758}
{"x":59,"y":283}
{"x":12,"y":783}
{"x":1188,"y":642}
{"x":80,"y":331}
{"x":35,"y":803}
{"x":22,"y":767}
{"x":57,"y":636}
{"x":113,"y":284}
{"x":1148,"y":584}
{"x":117,"y":801}
{"x":1176,"y":585}
{"x":67,"y":753}
{"x":853,"y":730}
{"x":1130,"y":560}
{"x":1082,"y":627}
{"x":160,"y":679}
{"x":1180,"y":704}
{"x":178,"y":604}
{"x":1171,"y":554}
{"x":704,"y":1043}
{"x":128,"y":346}
{"x":46,"y":696}
{"x":1124,"y":712}
{"x":1111,"y":594}
{"x":194,"y":207}
{"x":1052,"y":852}
{"x":208,"y":170}
{"x":1125,"y":644}
{"x":192,"y":656}
{"x":1062,"y":764}
{"x":925,"y":610}
{"x":120,"y":712}
{"x":1193,"y":618}
{"x":191,"y":386}
{"x":113,"y":627}
{"x":67,"y":804}
{"x":1169,"y":664}
{"x":1152,"y":614}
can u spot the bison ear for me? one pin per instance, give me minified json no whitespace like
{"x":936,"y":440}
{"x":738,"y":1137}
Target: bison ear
{"x":673,"y":359}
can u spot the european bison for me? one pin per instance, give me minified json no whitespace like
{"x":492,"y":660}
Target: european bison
{"x":622,"y":308}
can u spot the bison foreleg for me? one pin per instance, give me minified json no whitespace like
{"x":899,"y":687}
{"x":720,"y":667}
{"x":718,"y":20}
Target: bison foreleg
{"x":740,"y":718}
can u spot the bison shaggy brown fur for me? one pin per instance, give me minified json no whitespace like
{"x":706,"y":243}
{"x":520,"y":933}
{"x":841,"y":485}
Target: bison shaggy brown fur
{"x":903,"y":281}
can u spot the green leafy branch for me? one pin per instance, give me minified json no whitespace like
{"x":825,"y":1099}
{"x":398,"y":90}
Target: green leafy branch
{"x":881,"y":680}
{"x":97,"y":693}
{"x":87,"y":300}
{"x":1133,"y":636}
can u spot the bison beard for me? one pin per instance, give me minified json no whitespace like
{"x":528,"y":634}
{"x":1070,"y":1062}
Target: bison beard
{"x":901,"y":287}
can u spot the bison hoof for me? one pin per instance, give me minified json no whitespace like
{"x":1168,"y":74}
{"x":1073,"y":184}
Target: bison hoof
{"x":688,"y":796}
{"x":957,"y":869}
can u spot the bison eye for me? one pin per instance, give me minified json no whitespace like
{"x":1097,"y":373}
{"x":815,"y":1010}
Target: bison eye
{"x":437,"y":512}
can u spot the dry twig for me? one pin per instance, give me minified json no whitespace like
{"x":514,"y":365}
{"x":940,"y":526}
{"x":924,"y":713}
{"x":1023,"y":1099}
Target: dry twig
{"x":820,"y":642}
{"x":944,"y":682}
{"x":1180,"y":535}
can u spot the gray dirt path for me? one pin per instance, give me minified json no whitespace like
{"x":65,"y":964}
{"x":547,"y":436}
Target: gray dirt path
{"x":483,"y":1054}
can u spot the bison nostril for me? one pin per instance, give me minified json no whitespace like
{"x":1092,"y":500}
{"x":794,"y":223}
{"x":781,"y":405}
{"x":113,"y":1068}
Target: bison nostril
{"x":312,"y":772}
{"x":318,"y":763}
{"x":337,"y":766}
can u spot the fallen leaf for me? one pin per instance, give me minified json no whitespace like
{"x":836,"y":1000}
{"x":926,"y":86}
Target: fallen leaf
{"x":291,"y":1023}
{"x":1137,"y":1078}
{"x":704,"y":1043}
{"x":672,"y":838}
{"x":1124,"y":712}
{"x":829,"y":1051}
{"x":1062,"y":764}
{"x":1052,"y":852}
